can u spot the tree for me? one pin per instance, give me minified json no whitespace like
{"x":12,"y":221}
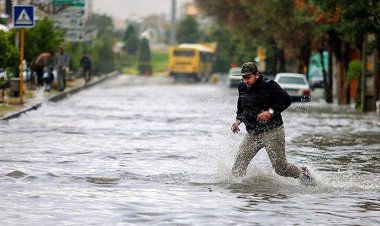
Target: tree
{"x":356,"y":20}
{"x":101,"y":55}
{"x":100,"y":52}
{"x":323,"y":40}
{"x":144,"y":67}
{"x":41,"y":38}
{"x":257,"y":23}
{"x":188,"y":30}
{"x":9,"y":54}
{"x":129,"y":32}
{"x":223,"y":59}
{"x":103,"y":23}
{"x":131,"y":41}
{"x":343,"y":25}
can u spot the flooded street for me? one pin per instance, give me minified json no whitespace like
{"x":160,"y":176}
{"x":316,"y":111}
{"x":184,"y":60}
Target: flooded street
{"x":129,"y":153}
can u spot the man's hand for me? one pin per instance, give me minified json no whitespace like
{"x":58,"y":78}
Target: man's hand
{"x":264,"y":117}
{"x":235,"y":126}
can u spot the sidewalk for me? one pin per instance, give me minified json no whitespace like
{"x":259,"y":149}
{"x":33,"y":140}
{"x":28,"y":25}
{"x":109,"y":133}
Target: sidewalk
{"x":33,"y":99}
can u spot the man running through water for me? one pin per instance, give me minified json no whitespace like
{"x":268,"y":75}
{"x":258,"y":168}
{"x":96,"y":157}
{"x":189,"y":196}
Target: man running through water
{"x":259,"y":107}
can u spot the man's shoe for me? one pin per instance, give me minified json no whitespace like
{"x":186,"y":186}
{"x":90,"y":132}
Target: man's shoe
{"x":306,"y":178}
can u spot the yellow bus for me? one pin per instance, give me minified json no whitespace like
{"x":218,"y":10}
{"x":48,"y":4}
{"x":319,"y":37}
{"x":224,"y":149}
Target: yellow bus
{"x":192,"y":62}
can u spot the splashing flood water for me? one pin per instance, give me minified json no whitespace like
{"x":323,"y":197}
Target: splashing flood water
{"x":131,"y":153}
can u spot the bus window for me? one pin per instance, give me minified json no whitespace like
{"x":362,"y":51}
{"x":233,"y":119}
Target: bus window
{"x":186,"y":53}
{"x":206,"y":57}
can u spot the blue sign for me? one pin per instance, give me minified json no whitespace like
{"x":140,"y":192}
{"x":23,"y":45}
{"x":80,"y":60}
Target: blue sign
{"x":23,"y":16}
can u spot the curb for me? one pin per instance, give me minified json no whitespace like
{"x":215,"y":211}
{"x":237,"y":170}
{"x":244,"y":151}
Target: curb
{"x":60,"y":96}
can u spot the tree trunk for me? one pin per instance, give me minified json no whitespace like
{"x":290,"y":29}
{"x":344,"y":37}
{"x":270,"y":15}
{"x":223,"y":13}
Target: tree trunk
{"x":346,"y":62}
{"x":334,"y":43}
{"x":305,"y":54}
{"x":324,"y":73}
{"x":339,"y":82}
{"x":282,"y":60}
{"x":329,"y":81}
{"x":342,"y":75}
{"x":377,"y":70}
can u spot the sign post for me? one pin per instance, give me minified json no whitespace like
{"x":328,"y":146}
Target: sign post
{"x":23,"y":17}
{"x":72,"y":18}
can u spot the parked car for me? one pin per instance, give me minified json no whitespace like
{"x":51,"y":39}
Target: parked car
{"x":296,"y":85}
{"x":233,"y":81}
{"x":316,"y":82}
{"x":316,"y":78}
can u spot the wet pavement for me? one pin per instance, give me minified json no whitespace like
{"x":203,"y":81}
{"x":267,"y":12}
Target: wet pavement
{"x":133,"y":151}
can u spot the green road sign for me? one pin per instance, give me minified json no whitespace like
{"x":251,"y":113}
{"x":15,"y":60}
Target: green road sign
{"x":69,"y":2}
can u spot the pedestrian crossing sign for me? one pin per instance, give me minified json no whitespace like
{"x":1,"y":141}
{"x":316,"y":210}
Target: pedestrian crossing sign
{"x":23,"y":16}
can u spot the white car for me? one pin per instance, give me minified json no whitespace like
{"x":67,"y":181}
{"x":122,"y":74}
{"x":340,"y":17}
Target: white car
{"x":296,"y":85}
{"x":234,"y":77}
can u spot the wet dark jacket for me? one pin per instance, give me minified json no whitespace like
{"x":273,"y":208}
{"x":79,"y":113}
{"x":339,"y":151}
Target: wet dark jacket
{"x":264,"y":94}
{"x":85,"y":63}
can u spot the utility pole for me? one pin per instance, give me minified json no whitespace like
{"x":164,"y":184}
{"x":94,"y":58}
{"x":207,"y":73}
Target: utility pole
{"x":172,"y":39}
{"x":8,"y":10}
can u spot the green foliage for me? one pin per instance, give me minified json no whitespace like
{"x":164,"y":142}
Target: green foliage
{"x":75,"y":50}
{"x":358,"y":18}
{"x":100,"y":50}
{"x":256,"y":23}
{"x":354,"y":70}
{"x":223,"y":58}
{"x":103,"y":23}
{"x":132,"y":44}
{"x":129,"y":32}
{"x":45,"y":37}
{"x":188,"y":31}
{"x":160,"y":61}
{"x":131,"y":40}
{"x":145,"y":66}
{"x":102,"y":56}
{"x":9,"y":55}
{"x":41,"y":38}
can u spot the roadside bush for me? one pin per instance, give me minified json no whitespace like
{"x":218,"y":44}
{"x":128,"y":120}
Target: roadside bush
{"x":9,"y":57}
{"x":354,"y":72}
{"x":145,"y":56}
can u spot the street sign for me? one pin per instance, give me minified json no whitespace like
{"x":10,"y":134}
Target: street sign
{"x":71,"y":17}
{"x":69,"y":23}
{"x":23,"y":16}
{"x":69,"y":2}
{"x":71,"y":11}
{"x":74,"y":35}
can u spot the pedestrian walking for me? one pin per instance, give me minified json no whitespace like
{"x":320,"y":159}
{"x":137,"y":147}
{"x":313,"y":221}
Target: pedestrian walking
{"x":40,"y":67}
{"x":49,"y":75}
{"x":259,"y":107}
{"x":85,"y":63}
{"x":61,"y":65}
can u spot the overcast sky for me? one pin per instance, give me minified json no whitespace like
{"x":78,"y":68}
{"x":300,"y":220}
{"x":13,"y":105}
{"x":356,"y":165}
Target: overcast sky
{"x":133,"y":9}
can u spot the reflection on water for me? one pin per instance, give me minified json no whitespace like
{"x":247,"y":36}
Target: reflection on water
{"x":132,"y":153}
